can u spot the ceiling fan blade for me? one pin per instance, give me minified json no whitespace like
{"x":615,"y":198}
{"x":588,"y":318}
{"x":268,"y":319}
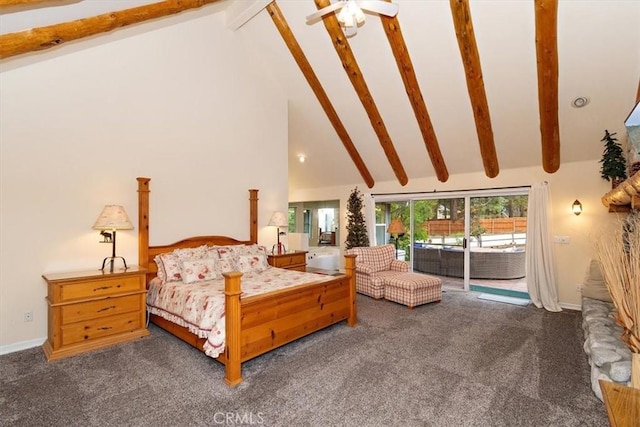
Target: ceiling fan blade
{"x":327,"y":9}
{"x":378,"y":6}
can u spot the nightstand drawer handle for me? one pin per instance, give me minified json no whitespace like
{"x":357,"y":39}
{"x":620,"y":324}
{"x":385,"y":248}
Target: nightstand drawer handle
{"x":105,"y":328}
{"x":102,"y":288}
{"x":106,"y":308}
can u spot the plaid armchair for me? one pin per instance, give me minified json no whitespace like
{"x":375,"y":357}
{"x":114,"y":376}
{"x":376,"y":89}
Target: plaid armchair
{"x":373,"y":265}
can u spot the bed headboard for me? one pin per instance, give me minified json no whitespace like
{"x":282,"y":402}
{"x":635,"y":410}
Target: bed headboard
{"x":146,"y":253}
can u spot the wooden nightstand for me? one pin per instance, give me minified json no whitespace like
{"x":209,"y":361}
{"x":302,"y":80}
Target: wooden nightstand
{"x":291,"y":260}
{"x":93,"y":309}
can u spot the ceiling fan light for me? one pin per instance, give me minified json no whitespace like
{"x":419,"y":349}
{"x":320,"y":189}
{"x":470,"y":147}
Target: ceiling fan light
{"x":347,"y":20}
{"x":359,"y":15}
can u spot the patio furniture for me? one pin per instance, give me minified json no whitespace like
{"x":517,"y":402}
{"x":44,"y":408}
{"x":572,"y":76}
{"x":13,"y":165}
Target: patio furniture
{"x":426,"y":260}
{"x":486,"y":263}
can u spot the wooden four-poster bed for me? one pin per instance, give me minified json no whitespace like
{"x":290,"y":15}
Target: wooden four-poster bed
{"x":259,"y":323}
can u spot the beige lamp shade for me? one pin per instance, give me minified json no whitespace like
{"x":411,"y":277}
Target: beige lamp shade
{"x":279,"y":219}
{"x":113,"y":217}
{"x":396,"y":227}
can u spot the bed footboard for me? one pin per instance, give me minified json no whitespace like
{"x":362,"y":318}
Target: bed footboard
{"x":258,"y":324}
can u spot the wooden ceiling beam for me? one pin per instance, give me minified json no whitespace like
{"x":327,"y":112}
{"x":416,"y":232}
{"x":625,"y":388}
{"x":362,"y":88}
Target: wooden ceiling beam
{"x":546,"y":12}
{"x":392,"y":29}
{"x":352,"y":69}
{"x":4,"y":3}
{"x":475,"y":84}
{"x":311,"y":77}
{"x":53,"y":35}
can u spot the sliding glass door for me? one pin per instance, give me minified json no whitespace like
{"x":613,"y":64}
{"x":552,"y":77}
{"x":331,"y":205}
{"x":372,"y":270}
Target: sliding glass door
{"x":468,"y":239}
{"x":497,"y":239}
{"x":439,"y":238}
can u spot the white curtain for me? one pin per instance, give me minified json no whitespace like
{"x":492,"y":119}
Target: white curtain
{"x":370,"y":217}
{"x":540,"y":268}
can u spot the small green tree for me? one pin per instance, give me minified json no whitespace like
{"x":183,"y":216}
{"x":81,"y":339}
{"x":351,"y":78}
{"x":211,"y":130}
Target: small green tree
{"x":613,"y":162}
{"x":477,"y":230}
{"x":356,"y":227}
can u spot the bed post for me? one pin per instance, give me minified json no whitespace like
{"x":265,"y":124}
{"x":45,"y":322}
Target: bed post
{"x":253,"y":216}
{"x":350,"y":267}
{"x":143,"y":222}
{"x":232,"y":366}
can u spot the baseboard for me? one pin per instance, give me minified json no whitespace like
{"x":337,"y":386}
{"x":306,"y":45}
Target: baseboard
{"x":23,"y":345}
{"x":571,"y":306}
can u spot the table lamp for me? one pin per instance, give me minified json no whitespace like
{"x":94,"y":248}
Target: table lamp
{"x":112,"y":218}
{"x":278,"y":219}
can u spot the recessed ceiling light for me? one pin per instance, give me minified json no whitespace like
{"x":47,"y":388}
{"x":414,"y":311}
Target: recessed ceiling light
{"x":302,"y":158}
{"x":580,"y":102}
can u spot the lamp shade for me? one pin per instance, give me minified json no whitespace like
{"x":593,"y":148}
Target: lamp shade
{"x":279,"y":219}
{"x":396,"y":227}
{"x":113,"y":217}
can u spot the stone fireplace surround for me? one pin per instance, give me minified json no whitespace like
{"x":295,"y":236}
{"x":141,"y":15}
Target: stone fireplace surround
{"x":608,"y":355}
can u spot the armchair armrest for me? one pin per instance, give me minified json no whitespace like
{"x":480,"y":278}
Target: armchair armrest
{"x":364,"y":268}
{"x":401,"y":266}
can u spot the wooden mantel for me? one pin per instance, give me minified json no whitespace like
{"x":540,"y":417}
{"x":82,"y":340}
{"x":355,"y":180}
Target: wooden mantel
{"x":625,"y":196}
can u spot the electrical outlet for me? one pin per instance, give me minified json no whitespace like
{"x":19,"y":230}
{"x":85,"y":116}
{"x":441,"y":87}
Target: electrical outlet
{"x":28,"y":316}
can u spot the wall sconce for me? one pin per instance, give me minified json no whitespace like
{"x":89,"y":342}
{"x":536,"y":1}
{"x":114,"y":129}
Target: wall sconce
{"x":278,"y":219}
{"x":396,"y":229}
{"x":112,"y":218}
{"x":576,"y":207}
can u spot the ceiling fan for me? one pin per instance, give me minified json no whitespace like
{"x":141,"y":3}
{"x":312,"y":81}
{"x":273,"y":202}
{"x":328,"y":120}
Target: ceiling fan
{"x":352,"y":15}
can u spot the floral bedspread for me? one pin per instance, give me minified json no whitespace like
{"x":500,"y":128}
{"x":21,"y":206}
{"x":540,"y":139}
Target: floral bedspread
{"x":199,"y":306}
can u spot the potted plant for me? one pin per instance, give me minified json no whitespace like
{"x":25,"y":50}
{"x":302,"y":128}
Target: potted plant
{"x":356,"y":227}
{"x":614,"y":166}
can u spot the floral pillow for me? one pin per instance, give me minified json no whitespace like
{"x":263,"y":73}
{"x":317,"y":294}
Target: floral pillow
{"x":198,"y":270}
{"x":252,"y":263}
{"x":169,"y":267}
{"x":200,"y":252}
{"x":253,"y":249}
{"x":225,"y":252}
{"x":226,"y":265}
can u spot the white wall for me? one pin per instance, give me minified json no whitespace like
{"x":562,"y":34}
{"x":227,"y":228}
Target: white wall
{"x":580,"y":180}
{"x":177,"y":100}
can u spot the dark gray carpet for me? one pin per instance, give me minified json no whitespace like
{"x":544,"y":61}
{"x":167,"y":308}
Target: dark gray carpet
{"x":463,"y":362}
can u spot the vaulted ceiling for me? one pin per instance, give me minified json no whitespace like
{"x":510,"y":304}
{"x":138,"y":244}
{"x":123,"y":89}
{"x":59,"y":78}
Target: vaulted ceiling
{"x":445,"y":87}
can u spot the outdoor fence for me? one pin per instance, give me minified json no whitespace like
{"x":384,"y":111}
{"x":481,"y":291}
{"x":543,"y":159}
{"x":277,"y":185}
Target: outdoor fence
{"x":446,"y":227}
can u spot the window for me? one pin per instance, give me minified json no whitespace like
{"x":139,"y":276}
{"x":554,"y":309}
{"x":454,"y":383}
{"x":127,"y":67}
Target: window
{"x":292,"y":220}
